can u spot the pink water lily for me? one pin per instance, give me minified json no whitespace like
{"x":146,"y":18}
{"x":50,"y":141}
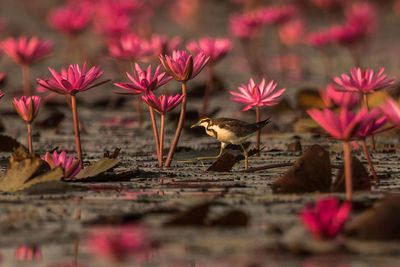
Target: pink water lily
{"x":1,"y":94}
{"x":331,"y":97}
{"x":392,"y":111}
{"x":327,"y":4}
{"x":326,"y":218}
{"x":371,"y":124}
{"x":71,"y":82}
{"x":26,"y":51}
{"x":118,"y":244}
{"x":215,"y":48}
{"x":130,"y":47}
{"x":75,"y":80}
{"x":321,"y":38}
{"x":70,"y":19}
{"x":71,"y":167}
{"x":257,"y":95}
{"x":163,"y":103}
{"x":28,"y":253}
{"x":245,"y":26}
{"x":343,"y":126}
{"x":27,"y":107}
{"x":161,"y":44}
{"x":364,"y":81}
{"x":182,"y":66}
{"x":142,"y":79}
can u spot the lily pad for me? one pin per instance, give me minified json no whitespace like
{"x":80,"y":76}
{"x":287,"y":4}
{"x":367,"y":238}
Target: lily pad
{"x":97,"y":167}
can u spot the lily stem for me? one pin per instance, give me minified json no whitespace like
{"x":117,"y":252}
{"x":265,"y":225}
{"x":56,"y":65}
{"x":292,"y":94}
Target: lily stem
{"x":258,"y":132}
{"x":371,"y":166}
{"x":30,"y":138}
{"x":162,"y":137}
{"x":348,"y":170}
{"x":76,"y":128}
{"x":179,"y":128}
{"x":155,"y":132}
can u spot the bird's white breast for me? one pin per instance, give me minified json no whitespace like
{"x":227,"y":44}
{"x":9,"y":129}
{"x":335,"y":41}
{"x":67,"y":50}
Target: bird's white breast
{"x":224,"y":135}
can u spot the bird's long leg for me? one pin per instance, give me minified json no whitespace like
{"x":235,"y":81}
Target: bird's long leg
{"x":223,"y":145}
{"x":246,"y":158}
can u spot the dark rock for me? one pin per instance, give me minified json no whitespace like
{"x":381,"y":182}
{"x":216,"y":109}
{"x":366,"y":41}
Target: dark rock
{"x":310,"y":173}
{"x":382,"y":222}
{"x":360,"y":178}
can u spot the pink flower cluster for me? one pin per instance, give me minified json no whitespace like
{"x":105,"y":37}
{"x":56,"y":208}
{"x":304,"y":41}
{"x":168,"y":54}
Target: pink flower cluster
{"x":71,"y":167}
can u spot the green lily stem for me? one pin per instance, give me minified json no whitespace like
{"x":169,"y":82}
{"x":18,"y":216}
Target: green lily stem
{"x":162,"y":136}
{"x":155,"y":132}
{"x":371,"y":166}
{"x":30,"y":138}
{"x":179,"y":128}
{"x":258,"y":137}
{"x":76,"y":128}
{"x":348,"y":170}
{"x":26,"y":77}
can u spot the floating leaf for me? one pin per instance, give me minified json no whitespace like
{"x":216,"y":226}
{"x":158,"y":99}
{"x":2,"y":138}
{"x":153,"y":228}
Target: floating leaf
{"x":51,"y":121}
{"x":97,"y":167}
{"x":26,"y":170}
{"x":195,"y":216}
{"x":311,"y":173}
{"x":359,"y":176}
{"x":234,"y":218}
{"x":223,"y":164}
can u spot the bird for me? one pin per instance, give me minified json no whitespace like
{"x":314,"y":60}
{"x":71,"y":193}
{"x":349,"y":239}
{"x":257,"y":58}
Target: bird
{"x":229,"y":131}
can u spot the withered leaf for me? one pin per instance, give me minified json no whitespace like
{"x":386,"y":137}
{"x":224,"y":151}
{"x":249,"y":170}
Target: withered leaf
{"x":25,"y":172}
{"x":195,"y":216}
{"x":309,"y":98}
{"x":97,"y":167}
{"x":223,"y":164}
{"x":360,"y":178}
{"x":310,"y":173}
{"x":382,"y":222}
{"x":8,"y":144}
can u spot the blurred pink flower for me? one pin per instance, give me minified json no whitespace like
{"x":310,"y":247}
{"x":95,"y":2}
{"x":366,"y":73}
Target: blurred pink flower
{"x":71,"y":167}
{"x":342,"y":126}
{"x":75,"y":80}
{"x":326,"y":219}
{"x":118,"y":244}
{"x":257,"y":95}
{"x":161,"y":44}
{"x":292,"y":32}
{"x":28,"y":253}
{"x":142,"y":80}
{"x":392,"y":111}
{"x":27,"y":107}
{"x":278,"y":14}
{"x":371,"y":124}
{"x":364,"y":81}
{"x":331,"y":97}
{"x":1,"y":95}
{"x":163,"y":103}
{"x":322,"y":38}
{"x":110,"y":24}
{"x":215,"y":48}
{"x":246,"y":26}
{"x":25,"y":51}
{"x":129,"y":47}
{"x":70,"y":19}
{"x":182,"y":67}
{"x":360,"y":23}
{"x":120,"y":7}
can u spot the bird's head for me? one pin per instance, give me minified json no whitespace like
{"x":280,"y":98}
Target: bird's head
{"x":202,"y":122}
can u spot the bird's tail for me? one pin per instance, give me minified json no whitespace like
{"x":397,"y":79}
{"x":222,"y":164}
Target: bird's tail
{"x":261,"y":124}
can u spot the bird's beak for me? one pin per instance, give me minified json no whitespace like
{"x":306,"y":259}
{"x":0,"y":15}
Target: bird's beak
{"x":194,"y":125}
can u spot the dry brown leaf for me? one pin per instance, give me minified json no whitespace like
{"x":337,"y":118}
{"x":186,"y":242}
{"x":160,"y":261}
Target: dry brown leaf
{"x":97,"y":167}
{"x":26,"y":170}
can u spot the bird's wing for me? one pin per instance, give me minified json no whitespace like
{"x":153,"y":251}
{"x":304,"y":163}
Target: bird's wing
{"x":240,"y":128}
